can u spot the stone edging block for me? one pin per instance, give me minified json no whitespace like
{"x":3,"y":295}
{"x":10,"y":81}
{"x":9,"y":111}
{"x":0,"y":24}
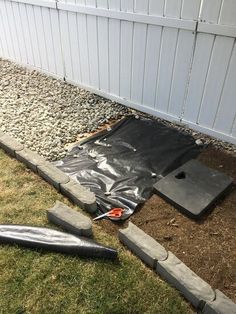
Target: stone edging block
{"x":10,"y":145}
{"x":147,"y":249}
{"x":221,"y":305}
{"x":185,"y":280}
{"x":30,"y":159}
{"x":169,"y":267}
{"x":52,"y":174}
{"x":70,"y":219}
{"x":79,"y":195}
{"x":61,"y":181}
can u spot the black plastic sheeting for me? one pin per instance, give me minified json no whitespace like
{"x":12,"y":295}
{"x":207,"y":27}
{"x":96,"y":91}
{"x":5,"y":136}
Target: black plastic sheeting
{"x":53,"y":240}
{"x":121,"y":165}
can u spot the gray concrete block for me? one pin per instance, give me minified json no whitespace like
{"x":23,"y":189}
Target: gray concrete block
{"x":141,"y":244}
{"x":10,"y":145}
{"x":70,"y":219}
{"x":52,"y":174}
{"x":185,"y":280}
{"x":30,"y":159}
{"x":221,"y":305}
{"x":80,"y":195}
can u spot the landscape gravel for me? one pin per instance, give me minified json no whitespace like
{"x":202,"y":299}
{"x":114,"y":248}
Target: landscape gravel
{"x":46,"y":114}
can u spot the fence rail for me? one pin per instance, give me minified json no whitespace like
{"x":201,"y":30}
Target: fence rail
{"x":172,"y":58}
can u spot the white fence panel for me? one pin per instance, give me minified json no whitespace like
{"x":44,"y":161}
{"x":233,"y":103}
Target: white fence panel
{"x":210,"y":104}
{"x":30,"y":35}
{"x":164,"y":57}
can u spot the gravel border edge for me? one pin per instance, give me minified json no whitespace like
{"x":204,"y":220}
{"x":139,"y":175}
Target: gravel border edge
{"x":79,"y":194}
{"x":199,"y":293}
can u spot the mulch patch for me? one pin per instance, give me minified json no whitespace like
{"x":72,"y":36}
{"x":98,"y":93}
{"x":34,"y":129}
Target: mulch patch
{"x":207,"y":246}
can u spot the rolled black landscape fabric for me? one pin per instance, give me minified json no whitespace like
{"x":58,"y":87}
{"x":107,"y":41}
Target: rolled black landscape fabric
{"x":121,"y":165}
{"x":53,"y":240}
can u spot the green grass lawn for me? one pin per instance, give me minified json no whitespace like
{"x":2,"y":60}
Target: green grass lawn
{"x":38,"y":282}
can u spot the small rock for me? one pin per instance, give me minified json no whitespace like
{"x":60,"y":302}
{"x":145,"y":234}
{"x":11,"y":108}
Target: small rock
{"x":199,"y":142}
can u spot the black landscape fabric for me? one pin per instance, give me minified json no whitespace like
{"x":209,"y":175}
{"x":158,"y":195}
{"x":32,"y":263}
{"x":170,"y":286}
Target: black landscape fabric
{"x":121,"y":165}
{"x":53,"y":240}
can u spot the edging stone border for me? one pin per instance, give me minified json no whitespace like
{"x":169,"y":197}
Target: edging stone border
{"x":144,"y":246}
{"x":221,"y":305}
{"x":194,"y":289}
{"x":52,"y":175}
{"x":78,"y":194}
{"x":30,"y":158}
{"x":70,"y":220}
{"x":10,"y":145}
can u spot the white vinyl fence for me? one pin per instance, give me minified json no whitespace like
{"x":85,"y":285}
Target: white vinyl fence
{"x":172,"y":58}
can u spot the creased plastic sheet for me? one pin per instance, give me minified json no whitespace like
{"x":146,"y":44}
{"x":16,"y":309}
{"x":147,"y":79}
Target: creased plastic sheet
{"x":121,"y":165}
{"x":53,"y":240}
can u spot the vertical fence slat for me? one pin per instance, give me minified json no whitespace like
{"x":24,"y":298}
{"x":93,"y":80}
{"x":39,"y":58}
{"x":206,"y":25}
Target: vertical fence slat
{"x":173,"y":8}
{"x":66,"y":45}
{"x":210,"y":10}
{"x":114,"y":49}
{"x":6,"y":28}
{"x":167,"y":61}
{"x":33,"y":35}
{"x":181,"y":72}
{"x":202,"y":57}
{"x":26,"y":34}
{"x":56,"y":36}
{"x":234,"y":128}
{"x":190,"y":9}
{"x":215,"y":80}
{"x":73,"y":38}
{"x":154,"y":36}
{"x":1,"y":44}
{"x":12,"y":30}
{"x":41,"y":37}
{"x":156,"y":7}
{"x":103,"y":48}
{"x":19,"y":32}
{"x":127,"y":5}
{"x":5,"y":51}
{"x":227,"y":108}
{"x":126,"y":51}
{"x":139,"y":53}
{"x":92,"y":33}
{"x":228,"y":13}
{"x":83,"y":46}
{"x":90,"y":3}
{"x":167,"y":55}
{"x":48,"y":40}
{"x":153,"y":48}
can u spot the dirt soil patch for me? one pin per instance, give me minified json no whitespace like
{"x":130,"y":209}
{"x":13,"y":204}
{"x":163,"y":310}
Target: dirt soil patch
{"x":208,"y":246}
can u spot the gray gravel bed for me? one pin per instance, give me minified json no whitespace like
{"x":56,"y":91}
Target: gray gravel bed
{"x":46,"y":114}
